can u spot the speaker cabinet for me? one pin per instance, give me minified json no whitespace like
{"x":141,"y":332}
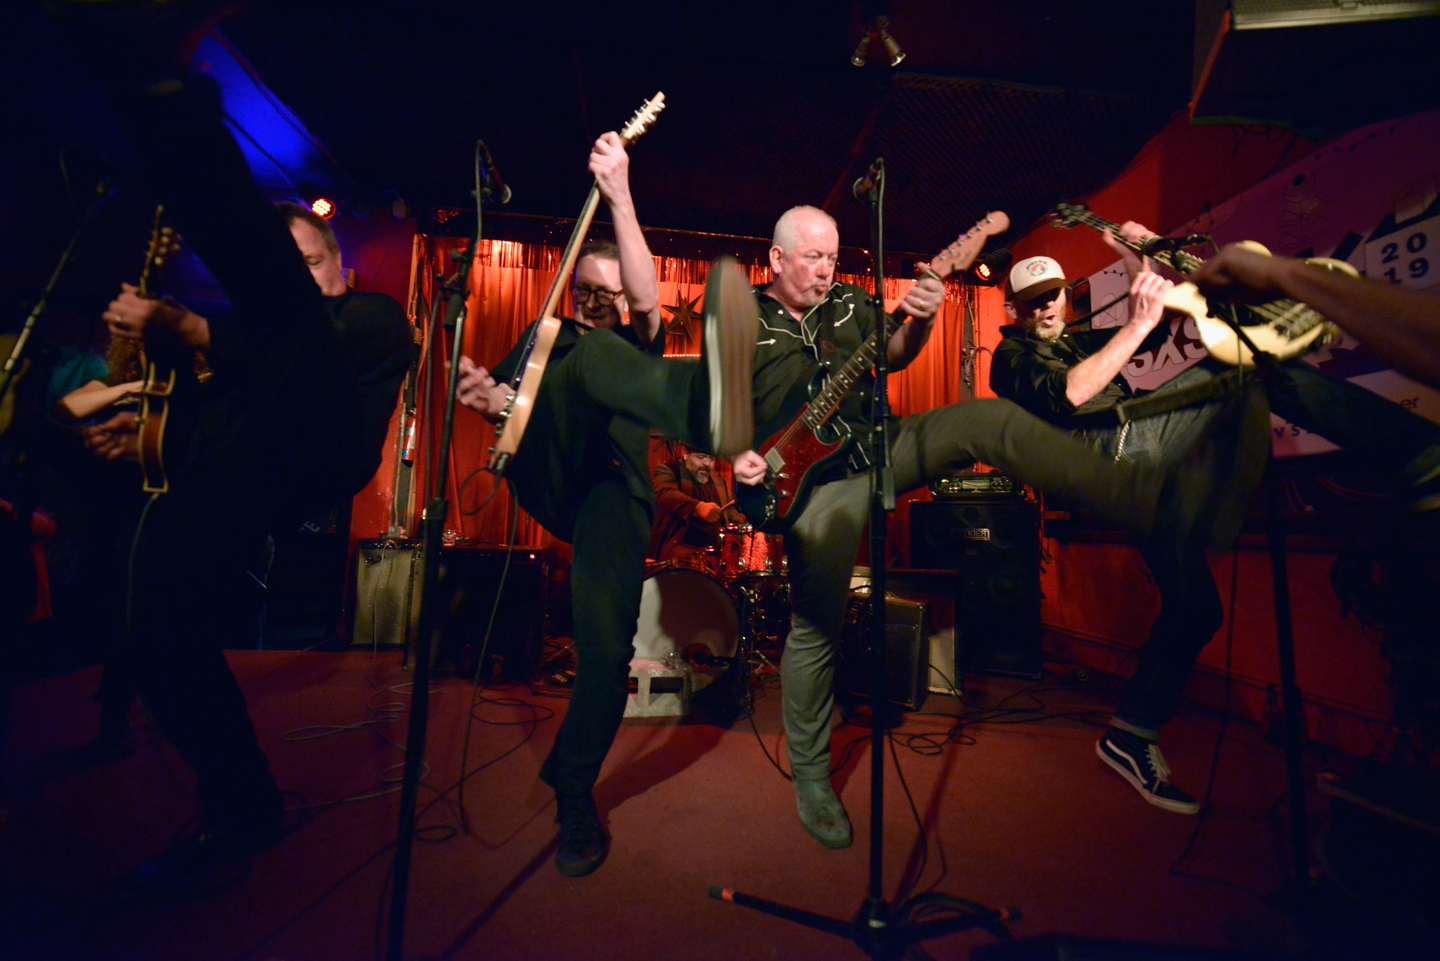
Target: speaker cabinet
{"x":993,"y":543}
{"x":389,"y":582}
{"x":907,"y":651}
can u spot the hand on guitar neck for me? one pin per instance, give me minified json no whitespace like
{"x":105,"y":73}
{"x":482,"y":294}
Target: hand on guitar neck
{"x":1147,"y":308}
{"x":131,"y":314}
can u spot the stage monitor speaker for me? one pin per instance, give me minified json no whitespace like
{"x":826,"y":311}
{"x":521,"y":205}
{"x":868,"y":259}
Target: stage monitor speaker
{"x":907,"y":651}
{"x":993,"y":543}
{"x":388,"y":587}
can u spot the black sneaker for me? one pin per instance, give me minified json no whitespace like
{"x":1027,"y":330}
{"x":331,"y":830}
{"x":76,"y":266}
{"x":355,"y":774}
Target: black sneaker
{"x":1140,"y":762}
{"x":583,"y":842}
{"x":732,"y":323}
{"x":189,"y":862}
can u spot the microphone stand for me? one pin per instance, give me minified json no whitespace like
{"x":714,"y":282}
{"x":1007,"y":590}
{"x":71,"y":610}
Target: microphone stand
{"x":432,"y":537}
{"x":883,"y":932}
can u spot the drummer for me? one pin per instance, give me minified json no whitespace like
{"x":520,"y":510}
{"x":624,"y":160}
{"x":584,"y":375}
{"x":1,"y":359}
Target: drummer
{"x":692,"y":505}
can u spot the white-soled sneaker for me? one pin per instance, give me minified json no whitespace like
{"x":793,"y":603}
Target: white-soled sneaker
{"x":1140,"y":762}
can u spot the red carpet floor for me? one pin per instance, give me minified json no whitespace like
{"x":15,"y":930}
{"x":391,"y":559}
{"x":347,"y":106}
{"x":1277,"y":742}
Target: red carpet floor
{"x":1019,"y":813}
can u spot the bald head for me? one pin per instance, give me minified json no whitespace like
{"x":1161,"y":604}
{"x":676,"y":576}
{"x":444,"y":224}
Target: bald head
{"x":802,"y":258}
{"x":792,"y":221}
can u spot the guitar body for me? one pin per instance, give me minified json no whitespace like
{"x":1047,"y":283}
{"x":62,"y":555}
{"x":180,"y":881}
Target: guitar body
{"x":1295,"y":328}
{"x":154,"y":416}
{"x":796,"y":456}
{"x":516,"y":415}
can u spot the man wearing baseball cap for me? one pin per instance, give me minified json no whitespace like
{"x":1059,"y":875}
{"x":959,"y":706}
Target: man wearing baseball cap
{"x":1072,"y":379}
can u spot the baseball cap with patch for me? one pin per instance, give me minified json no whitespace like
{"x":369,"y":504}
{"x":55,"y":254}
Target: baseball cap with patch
{"x":1033,"y":276}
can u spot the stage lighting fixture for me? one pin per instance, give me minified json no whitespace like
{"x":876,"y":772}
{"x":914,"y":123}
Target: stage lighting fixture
{"x":882,"y":28}
{"x":858,"y":57}
{"x":879,"y":28}
{"x":323,"y":207}
{"x":989,"y":270}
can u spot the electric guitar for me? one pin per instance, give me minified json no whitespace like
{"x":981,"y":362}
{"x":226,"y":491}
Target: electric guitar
{"x":163,"y":358}
{"x":520,"y":402}
{"x":797,"y":454}
{"x":1281,"y":328}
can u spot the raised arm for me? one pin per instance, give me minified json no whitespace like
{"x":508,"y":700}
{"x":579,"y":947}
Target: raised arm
{"x":611,"y":166}
{"x":922,"y":303}
{"x":1147,"y":306}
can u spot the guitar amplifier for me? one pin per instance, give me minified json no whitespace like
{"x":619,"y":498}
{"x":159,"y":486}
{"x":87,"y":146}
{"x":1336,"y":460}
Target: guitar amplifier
{"x":389,"y":582}
{"x":993,"y":543}
{"x":907,"y":651}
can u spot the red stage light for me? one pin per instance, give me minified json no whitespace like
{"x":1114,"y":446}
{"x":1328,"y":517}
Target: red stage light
{"x":323,"y":207}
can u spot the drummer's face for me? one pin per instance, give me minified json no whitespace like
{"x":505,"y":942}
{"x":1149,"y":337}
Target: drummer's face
{"x":699,"y":465}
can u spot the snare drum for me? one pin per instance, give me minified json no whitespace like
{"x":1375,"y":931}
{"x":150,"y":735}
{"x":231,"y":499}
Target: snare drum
{"x":687,"y":613}
{"x":743,"y":549}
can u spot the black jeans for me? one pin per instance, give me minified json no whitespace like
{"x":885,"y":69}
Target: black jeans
{"x":593,"y":412}
{"x":1362,"y":422}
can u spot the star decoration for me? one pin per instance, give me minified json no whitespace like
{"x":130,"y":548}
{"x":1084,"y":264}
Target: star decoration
{"x":682,"y":315}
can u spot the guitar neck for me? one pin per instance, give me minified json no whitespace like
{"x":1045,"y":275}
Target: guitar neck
{"x":1174,"y":259}
{"x":572,"y":252}
{"x":836,"y":387}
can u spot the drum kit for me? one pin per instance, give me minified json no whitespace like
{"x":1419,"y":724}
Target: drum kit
{"x":725,"y":603}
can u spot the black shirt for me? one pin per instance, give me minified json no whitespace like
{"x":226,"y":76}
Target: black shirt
{"x":1033,"y":373}
{"x":377,"y":339}
{"x":629,"y":447}
{"x":788,"y":354}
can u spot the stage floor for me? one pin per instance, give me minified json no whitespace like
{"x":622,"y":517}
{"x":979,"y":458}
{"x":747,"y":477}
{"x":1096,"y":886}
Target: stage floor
{"x":1016,"y":810}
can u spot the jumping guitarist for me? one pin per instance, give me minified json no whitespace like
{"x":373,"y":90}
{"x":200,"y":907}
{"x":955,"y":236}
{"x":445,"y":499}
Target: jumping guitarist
{"x":1072,"y":379}
{"x":809,"y":322}
{"x":582,"y":467}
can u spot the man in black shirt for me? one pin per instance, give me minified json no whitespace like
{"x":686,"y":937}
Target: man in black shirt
{"x":1073,"y":380}
{"x":289,"y":425}
{"x":582,"y":467}
{"x":809,"y":322}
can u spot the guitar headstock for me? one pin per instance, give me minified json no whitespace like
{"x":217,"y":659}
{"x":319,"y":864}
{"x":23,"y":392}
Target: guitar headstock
{"x":1068,"y":215}
{"x":164,"y":241}
{"x":967,"y":246}
{"x":642,"y":119}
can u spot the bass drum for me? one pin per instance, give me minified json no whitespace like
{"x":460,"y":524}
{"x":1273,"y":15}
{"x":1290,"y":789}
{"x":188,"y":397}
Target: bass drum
{"x":687,"y":614}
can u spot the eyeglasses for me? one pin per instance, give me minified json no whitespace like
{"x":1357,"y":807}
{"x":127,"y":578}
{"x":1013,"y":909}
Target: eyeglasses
{"x":1042,"y":300}
{"x":602,"y":296}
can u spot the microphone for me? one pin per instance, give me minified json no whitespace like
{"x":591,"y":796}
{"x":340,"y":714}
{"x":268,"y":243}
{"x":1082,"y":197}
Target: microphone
{"x":872,"y":177}
{"x":494,"y":188}
{"x":1157,"y":245}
